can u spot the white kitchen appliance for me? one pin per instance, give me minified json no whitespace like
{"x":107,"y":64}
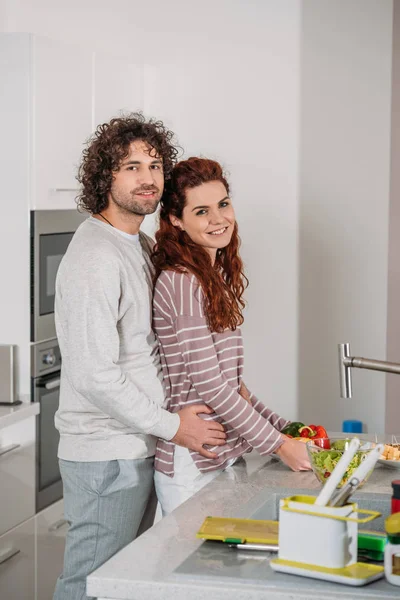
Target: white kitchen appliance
{"x":8,"y":374}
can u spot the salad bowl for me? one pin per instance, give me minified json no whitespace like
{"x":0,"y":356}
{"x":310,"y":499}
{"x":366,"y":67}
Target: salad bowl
{"x":325,"y":453}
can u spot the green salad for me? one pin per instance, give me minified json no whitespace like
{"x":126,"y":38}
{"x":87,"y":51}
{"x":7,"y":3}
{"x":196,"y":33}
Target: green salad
{"x":325,"y":461}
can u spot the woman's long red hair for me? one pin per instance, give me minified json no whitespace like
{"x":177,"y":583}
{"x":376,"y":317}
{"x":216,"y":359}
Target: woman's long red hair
{"x":224,"y":283}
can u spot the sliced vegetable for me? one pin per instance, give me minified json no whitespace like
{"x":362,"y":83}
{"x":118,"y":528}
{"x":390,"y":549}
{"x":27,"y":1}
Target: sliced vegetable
{"x":340,"y":445}
{"x":326,"y":460}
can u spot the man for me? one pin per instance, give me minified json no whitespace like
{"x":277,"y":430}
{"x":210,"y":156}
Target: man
{"x":111,"y":399}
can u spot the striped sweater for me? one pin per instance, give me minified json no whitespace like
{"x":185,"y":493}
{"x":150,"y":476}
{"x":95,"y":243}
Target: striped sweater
{"x":202,"y":367}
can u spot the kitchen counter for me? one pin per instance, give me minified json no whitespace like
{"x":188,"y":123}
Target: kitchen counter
{"x":10,"y":414}
{"x":150,"y":568}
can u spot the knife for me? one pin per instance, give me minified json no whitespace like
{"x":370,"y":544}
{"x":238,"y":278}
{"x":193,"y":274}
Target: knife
{"x":260,"y":547}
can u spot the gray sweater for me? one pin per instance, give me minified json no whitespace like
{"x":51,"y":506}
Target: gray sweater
{"x":111,"y":396}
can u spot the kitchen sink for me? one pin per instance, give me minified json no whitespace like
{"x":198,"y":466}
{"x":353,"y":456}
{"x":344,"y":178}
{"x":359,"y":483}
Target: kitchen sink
{"x":216,"y":564}
{"x":265,"y":505}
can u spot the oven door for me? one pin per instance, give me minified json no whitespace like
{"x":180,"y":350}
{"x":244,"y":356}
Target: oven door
{"x":48,"y":478}
{"x":51,"y":233}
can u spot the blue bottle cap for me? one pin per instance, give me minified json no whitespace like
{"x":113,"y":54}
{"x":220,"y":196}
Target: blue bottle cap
{"x":352,"y":426}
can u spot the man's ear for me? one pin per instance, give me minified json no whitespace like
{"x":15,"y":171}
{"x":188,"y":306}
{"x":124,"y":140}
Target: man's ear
{"x":176,"y":222}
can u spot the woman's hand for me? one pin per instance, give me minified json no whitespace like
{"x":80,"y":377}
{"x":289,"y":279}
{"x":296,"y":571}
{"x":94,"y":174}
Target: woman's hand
{"x":294,"y":454}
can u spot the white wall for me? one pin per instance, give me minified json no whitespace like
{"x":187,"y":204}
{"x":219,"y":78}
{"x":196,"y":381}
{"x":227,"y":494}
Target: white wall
{"x":240,"y":106}
{"x":14,"y":247}
{"x":393,"y":321}
{"x":260,"y":85}
{"x":225,"y":76}
{"x":344,"y":202}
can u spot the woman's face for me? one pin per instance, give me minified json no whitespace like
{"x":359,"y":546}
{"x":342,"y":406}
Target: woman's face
{"x":208,"y":217}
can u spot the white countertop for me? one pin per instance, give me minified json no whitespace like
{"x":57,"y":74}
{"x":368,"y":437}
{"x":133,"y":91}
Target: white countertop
{"x":10,"y":414}
{"x":144,"y":570}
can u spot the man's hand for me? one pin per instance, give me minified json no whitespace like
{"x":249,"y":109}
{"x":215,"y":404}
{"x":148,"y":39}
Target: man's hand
{"x":294,"y":454}
{"x":193,"y":431}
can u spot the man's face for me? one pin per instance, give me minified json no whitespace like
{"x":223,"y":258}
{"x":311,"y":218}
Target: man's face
{"x":138,"y":184}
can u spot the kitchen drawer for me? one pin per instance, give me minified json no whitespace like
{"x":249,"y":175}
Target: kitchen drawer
{"x":17,"y":473}
{"x":17,"y":563}
{"x":51,"y":529}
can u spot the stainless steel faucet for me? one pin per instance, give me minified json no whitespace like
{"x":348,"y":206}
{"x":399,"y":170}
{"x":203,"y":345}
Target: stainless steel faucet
{"x":346,"y":362}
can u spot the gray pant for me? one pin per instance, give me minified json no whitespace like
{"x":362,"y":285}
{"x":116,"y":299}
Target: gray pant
{"x":107,"y":505}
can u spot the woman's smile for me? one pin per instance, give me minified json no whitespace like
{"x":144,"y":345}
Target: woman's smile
{"x":218,"y":231}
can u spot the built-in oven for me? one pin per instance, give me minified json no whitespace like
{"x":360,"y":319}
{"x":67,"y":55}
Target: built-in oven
{"x":51,"y":232}
{"x":46,"y":365}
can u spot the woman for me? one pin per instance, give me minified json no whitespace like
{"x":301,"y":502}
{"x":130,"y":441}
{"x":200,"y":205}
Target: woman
{"x":197,"y":311}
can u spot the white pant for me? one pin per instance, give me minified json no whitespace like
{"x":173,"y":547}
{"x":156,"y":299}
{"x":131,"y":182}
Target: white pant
{"x":187,"y":480}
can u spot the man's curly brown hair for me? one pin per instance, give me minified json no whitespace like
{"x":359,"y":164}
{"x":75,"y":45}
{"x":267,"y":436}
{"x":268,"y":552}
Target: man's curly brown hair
{"x":109,"y":146}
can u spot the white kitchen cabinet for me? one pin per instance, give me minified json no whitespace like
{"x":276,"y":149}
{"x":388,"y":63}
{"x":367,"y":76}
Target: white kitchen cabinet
{"x":51,"y":529}
{"x":62,"y":120}
{"x":118,"y":88}
{"x":17,"y":562}
{"x":56,"y":95}
{"x":47,"y":108}
{"x":17,"y":473}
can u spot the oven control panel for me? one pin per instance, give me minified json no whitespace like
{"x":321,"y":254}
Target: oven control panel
{"x":45,"y":358}
{"x":49,"y":358}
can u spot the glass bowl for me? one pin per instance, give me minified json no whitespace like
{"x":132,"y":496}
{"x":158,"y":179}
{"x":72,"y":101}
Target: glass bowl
{"x":325,"y":453}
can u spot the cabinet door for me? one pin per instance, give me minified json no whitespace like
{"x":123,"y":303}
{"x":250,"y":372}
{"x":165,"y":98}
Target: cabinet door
{"x":62,"y":120}
{"x":17,"y":563}
{"x":51,"y":529}
{"x":118,"y":88}
{"x":17,"y":473}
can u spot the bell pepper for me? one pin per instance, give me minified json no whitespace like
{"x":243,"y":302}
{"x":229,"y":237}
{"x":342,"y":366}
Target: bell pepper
{"x":322,"y":443}
{"x":307,"y":431}
{"x":321,"y":432}
{"x":317,"y":433}
{"x":292,"y":429}
{"x":321,"y":438}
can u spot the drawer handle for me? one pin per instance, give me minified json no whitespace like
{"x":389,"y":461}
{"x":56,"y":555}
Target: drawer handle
{"x":66,"y":189}
{"x":9,"y":448}
{"x":7,"y":554}
{"x":57,"y":525}
{"x":52,"y":385}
